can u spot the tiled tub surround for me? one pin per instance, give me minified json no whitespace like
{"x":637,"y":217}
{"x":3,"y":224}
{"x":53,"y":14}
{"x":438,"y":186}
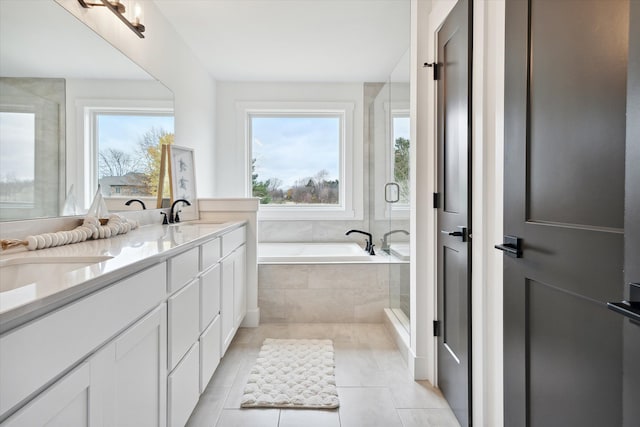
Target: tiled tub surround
{"x":353,"y":292}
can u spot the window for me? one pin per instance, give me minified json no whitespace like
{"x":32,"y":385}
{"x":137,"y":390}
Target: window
{"x":129,"y":147}
{"x":301,"y":160}
{"x":123,"y":145}
{"x":296,"y":158}
{"x":400,"y":155}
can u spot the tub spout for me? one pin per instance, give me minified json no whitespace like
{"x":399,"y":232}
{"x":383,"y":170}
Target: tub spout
{"x":385,"y":243}
{"x":369,"y":241}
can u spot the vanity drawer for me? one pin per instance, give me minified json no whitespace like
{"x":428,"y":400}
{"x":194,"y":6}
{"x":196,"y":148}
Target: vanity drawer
{"x":183,"y":268}
{"x":33,"y":355}
{"x":210,"y":253}
{"x":184,"y":321}
{"x":233,"y":239}
{"x":209,"y":352}
{"x":209,"y":296}
{"x":184,"y":388}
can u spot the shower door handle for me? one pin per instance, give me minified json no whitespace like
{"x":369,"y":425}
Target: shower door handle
{"x":391,"y":192}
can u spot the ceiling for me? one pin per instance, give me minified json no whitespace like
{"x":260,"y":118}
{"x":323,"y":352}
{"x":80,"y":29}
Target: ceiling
{"x":39,"y":38}
{"x":293,"y":40}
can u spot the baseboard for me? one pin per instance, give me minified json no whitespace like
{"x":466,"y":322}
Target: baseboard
{"x":251,"y":319}
{"x":419,"y":366}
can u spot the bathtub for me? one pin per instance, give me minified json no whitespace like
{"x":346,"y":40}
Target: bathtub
{"x":309,"y":253}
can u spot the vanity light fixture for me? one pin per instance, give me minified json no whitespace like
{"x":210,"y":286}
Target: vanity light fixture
{"x":119,"y":10}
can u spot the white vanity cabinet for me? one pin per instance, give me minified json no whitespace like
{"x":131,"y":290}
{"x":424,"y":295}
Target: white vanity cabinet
{"x":137,"y":352}
{"x":233,"y":300}
{"x":54,"y":357}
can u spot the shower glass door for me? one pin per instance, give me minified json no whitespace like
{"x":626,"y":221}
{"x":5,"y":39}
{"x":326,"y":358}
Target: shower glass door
{"x":390,"y":183}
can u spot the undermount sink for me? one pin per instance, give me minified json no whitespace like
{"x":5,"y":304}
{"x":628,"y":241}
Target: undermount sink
{"x":20,"y":271}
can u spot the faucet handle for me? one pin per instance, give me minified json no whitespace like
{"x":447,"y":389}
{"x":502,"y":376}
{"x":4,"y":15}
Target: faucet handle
{"x":164,"y":221}
{"x":177,"y":218}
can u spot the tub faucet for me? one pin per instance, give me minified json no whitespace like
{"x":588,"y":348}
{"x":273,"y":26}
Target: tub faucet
{"x":369,"y":241}
{"x":176,"y":218}
{"x":128,"y":203}
{"x":385,"y":244}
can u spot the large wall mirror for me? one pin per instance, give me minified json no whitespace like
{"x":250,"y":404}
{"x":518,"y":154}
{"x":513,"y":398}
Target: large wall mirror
{"x":74,"y":113}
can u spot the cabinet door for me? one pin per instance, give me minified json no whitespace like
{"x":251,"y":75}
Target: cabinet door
{"x":129,"y":374}
{"x":67,"y":403}
{"x":226,"y":308}
{"x":239,"y":286}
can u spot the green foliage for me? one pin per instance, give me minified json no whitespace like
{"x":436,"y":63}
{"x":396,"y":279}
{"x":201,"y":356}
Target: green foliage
{"x":401,"y":167}
{"x":259,"y":188}
{"x":308,"y":190}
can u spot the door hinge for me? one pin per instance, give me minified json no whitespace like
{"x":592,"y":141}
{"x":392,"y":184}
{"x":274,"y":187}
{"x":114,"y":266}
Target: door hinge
{"x":436,"y":328}
{"x":436,"y":200}
{"x":436,"y":69}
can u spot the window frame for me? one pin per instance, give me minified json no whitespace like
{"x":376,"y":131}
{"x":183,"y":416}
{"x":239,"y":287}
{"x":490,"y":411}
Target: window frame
{"x":87,"y":113}
{"x":350,"y":159}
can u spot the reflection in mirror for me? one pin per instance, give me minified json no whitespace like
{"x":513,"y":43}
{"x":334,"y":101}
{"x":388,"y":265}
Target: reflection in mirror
{"x":67,"y":100}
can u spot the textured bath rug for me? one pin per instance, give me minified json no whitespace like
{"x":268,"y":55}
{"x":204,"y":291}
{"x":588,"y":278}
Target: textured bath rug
{"x":292,"y":374}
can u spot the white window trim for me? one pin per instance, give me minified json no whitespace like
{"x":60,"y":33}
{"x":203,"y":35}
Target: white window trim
{"x":86,"y":175}
{"x":351,"y":167}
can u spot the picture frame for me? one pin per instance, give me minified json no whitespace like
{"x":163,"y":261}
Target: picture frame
{"x":182,"y":178}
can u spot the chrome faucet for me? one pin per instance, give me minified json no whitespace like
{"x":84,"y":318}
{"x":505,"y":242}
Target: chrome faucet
{"x":385,"y":244}
{"x":176,"y":218}
{"x":128,"y":203}
{"x":369,"y":241}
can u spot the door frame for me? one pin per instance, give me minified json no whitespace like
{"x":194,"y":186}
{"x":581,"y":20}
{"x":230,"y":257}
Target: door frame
{"x":487,"y":205}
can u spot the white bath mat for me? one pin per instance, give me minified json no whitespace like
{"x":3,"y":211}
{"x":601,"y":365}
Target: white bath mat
{"x":292,"y":374}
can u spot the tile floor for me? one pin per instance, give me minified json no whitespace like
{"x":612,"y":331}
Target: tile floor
{"x":374,"y":387}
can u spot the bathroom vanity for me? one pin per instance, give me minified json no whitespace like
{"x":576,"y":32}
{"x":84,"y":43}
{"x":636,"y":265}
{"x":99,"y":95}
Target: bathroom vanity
{"x":131,"y":340}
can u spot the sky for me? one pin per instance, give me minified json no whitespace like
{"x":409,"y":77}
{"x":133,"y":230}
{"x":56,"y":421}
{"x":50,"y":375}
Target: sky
{"x":401,"y":128}
{"x":122,"y":132}
{"x":293,"y":148}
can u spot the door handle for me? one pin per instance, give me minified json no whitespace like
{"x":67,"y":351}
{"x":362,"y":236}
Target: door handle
{"x":462,"y":233}
{"x":391,"y":192}
{"x":631,"y":308}
{"x":512,"y":246}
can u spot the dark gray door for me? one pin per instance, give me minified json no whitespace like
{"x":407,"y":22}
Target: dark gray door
{"x":454,"y":256}
{"x":565,"y":106}
{"x":631,"y":331}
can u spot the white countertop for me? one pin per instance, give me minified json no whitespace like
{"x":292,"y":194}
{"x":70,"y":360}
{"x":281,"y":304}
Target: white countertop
{"x":129,"y":253}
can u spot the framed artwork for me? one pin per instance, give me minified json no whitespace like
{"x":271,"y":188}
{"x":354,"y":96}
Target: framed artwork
{"x":182,"y":173}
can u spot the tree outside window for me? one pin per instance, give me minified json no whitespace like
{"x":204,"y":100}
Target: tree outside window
{"x":129,"y":149}
{"x":296,"y":159}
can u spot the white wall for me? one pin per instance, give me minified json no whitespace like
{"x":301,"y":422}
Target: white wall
{"x":164,"y":55}
{"x":231,"y":155}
